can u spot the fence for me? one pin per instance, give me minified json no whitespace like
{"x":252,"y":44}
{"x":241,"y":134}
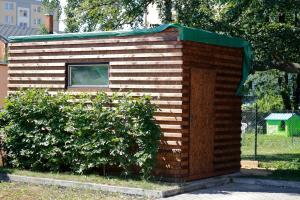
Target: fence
{"x":271,"y":138}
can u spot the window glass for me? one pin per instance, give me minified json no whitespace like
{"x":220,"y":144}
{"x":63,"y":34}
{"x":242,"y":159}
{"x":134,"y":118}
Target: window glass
{"x":94,"y":75}
{"x":8,"y":19}
{"x":9,"y":6}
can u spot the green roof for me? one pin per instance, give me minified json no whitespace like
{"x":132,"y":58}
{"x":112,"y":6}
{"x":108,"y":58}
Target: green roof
{"x":185,"y":33}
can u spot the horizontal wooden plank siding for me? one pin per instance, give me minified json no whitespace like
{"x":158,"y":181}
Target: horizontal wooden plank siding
{"x":227,"y":65}
{"x":144,"y":65}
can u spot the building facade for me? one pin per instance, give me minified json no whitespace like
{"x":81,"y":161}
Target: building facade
{"x":23,"y":13}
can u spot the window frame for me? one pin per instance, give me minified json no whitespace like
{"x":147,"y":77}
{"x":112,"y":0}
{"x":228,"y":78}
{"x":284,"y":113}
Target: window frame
{"x":69,"y":78}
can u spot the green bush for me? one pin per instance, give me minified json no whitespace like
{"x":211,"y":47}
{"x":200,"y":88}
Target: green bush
{"x":62,"y":133}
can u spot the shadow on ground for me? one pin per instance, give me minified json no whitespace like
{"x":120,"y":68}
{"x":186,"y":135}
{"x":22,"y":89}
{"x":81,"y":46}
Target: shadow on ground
{"x":287,"y":165}
{"x":295,"y":157}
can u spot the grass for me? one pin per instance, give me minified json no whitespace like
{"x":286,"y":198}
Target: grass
{"x":17,"y":191}
{"x":275,"y":151}
{"x":108,"y":180}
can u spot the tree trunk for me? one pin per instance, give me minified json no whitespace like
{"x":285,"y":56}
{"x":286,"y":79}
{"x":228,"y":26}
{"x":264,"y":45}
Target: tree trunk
{"x":283,"y":83}
{"x":297,"y":93}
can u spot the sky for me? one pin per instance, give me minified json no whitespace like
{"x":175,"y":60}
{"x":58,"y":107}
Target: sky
{"x":61,"y":23}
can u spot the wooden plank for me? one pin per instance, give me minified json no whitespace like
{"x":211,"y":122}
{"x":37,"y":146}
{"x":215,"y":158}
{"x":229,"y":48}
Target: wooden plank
{"x":175,"y":135}
{"x":169,"y":111}
{"x":122,"y":86}
{"x":100,"y":48}
{"x":158,"y":70}
{"x":92,"y":41}
{"x":228,"y":157}
{"x":227,"y":165}
{"x":36,"y":78}
{"x":226,"y":151}
{"x":168,"y":118}
{"x":146,"y":62}
{"x":36,"y":85}
{"x":211,"y":60}
{"x":172,"y":143}
{"x":215,"y":56}
{"x":99,"y":56}
{"x":161,"y":102}
{"x":38,"y":64}
{"x":223,"y":144}
{"x":117,"y":78}
{"x":36,"y":71}
{"x":164,"y":126}
{"x":111,"y":63}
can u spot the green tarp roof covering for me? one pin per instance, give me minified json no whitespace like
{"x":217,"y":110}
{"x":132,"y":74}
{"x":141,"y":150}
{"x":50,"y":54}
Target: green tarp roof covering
{"x":185,"y":33}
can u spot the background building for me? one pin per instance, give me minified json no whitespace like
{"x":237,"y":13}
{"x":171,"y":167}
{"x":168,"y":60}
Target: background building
{"x":23,"y":13}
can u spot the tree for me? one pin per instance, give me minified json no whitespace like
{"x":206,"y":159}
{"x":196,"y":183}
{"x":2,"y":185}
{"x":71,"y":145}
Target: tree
{"x":272,"y":27}
{"x":51,"y":7}
{"x":91,"y":15}
{"x":72,"y":23}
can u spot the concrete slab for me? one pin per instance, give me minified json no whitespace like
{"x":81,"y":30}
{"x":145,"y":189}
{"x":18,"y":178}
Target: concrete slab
{"x":237,"y":191}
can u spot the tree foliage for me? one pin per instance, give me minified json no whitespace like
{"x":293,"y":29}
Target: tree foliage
{"x":52,"y":7}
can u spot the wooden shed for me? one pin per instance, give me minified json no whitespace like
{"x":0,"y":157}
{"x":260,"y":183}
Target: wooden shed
{"x":193,"y":76}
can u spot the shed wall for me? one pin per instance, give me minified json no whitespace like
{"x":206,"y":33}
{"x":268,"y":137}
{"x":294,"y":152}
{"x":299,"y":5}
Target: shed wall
{"x":226,"y":63}
{"x":274,"y":127}
{"x":3,"y":83}
{"x":2,"y":50}
{"x":149,"y":64}
{"x":294,"y":126}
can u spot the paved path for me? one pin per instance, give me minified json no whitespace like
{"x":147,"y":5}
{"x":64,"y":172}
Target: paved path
{"x":236,"y":191}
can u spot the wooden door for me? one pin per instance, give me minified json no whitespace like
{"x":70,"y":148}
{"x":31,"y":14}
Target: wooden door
{"x":201,"y":122}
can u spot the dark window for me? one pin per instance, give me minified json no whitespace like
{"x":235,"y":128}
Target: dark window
{"x":282,"y":125}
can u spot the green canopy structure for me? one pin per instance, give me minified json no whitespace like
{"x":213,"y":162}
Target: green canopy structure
{"x":185,"y":33}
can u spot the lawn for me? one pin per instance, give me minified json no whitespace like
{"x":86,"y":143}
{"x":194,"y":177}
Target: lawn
{"x":16,"y":191}
{"x":275,"y":151}
{"x":108,"y":180}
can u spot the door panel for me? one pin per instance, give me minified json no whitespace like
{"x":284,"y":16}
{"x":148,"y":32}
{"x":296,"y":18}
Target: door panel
{"x":201,"y":122}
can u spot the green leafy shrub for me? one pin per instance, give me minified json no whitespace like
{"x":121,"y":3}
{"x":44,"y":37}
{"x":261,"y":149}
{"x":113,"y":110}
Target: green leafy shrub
{"x":62,"y":133}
